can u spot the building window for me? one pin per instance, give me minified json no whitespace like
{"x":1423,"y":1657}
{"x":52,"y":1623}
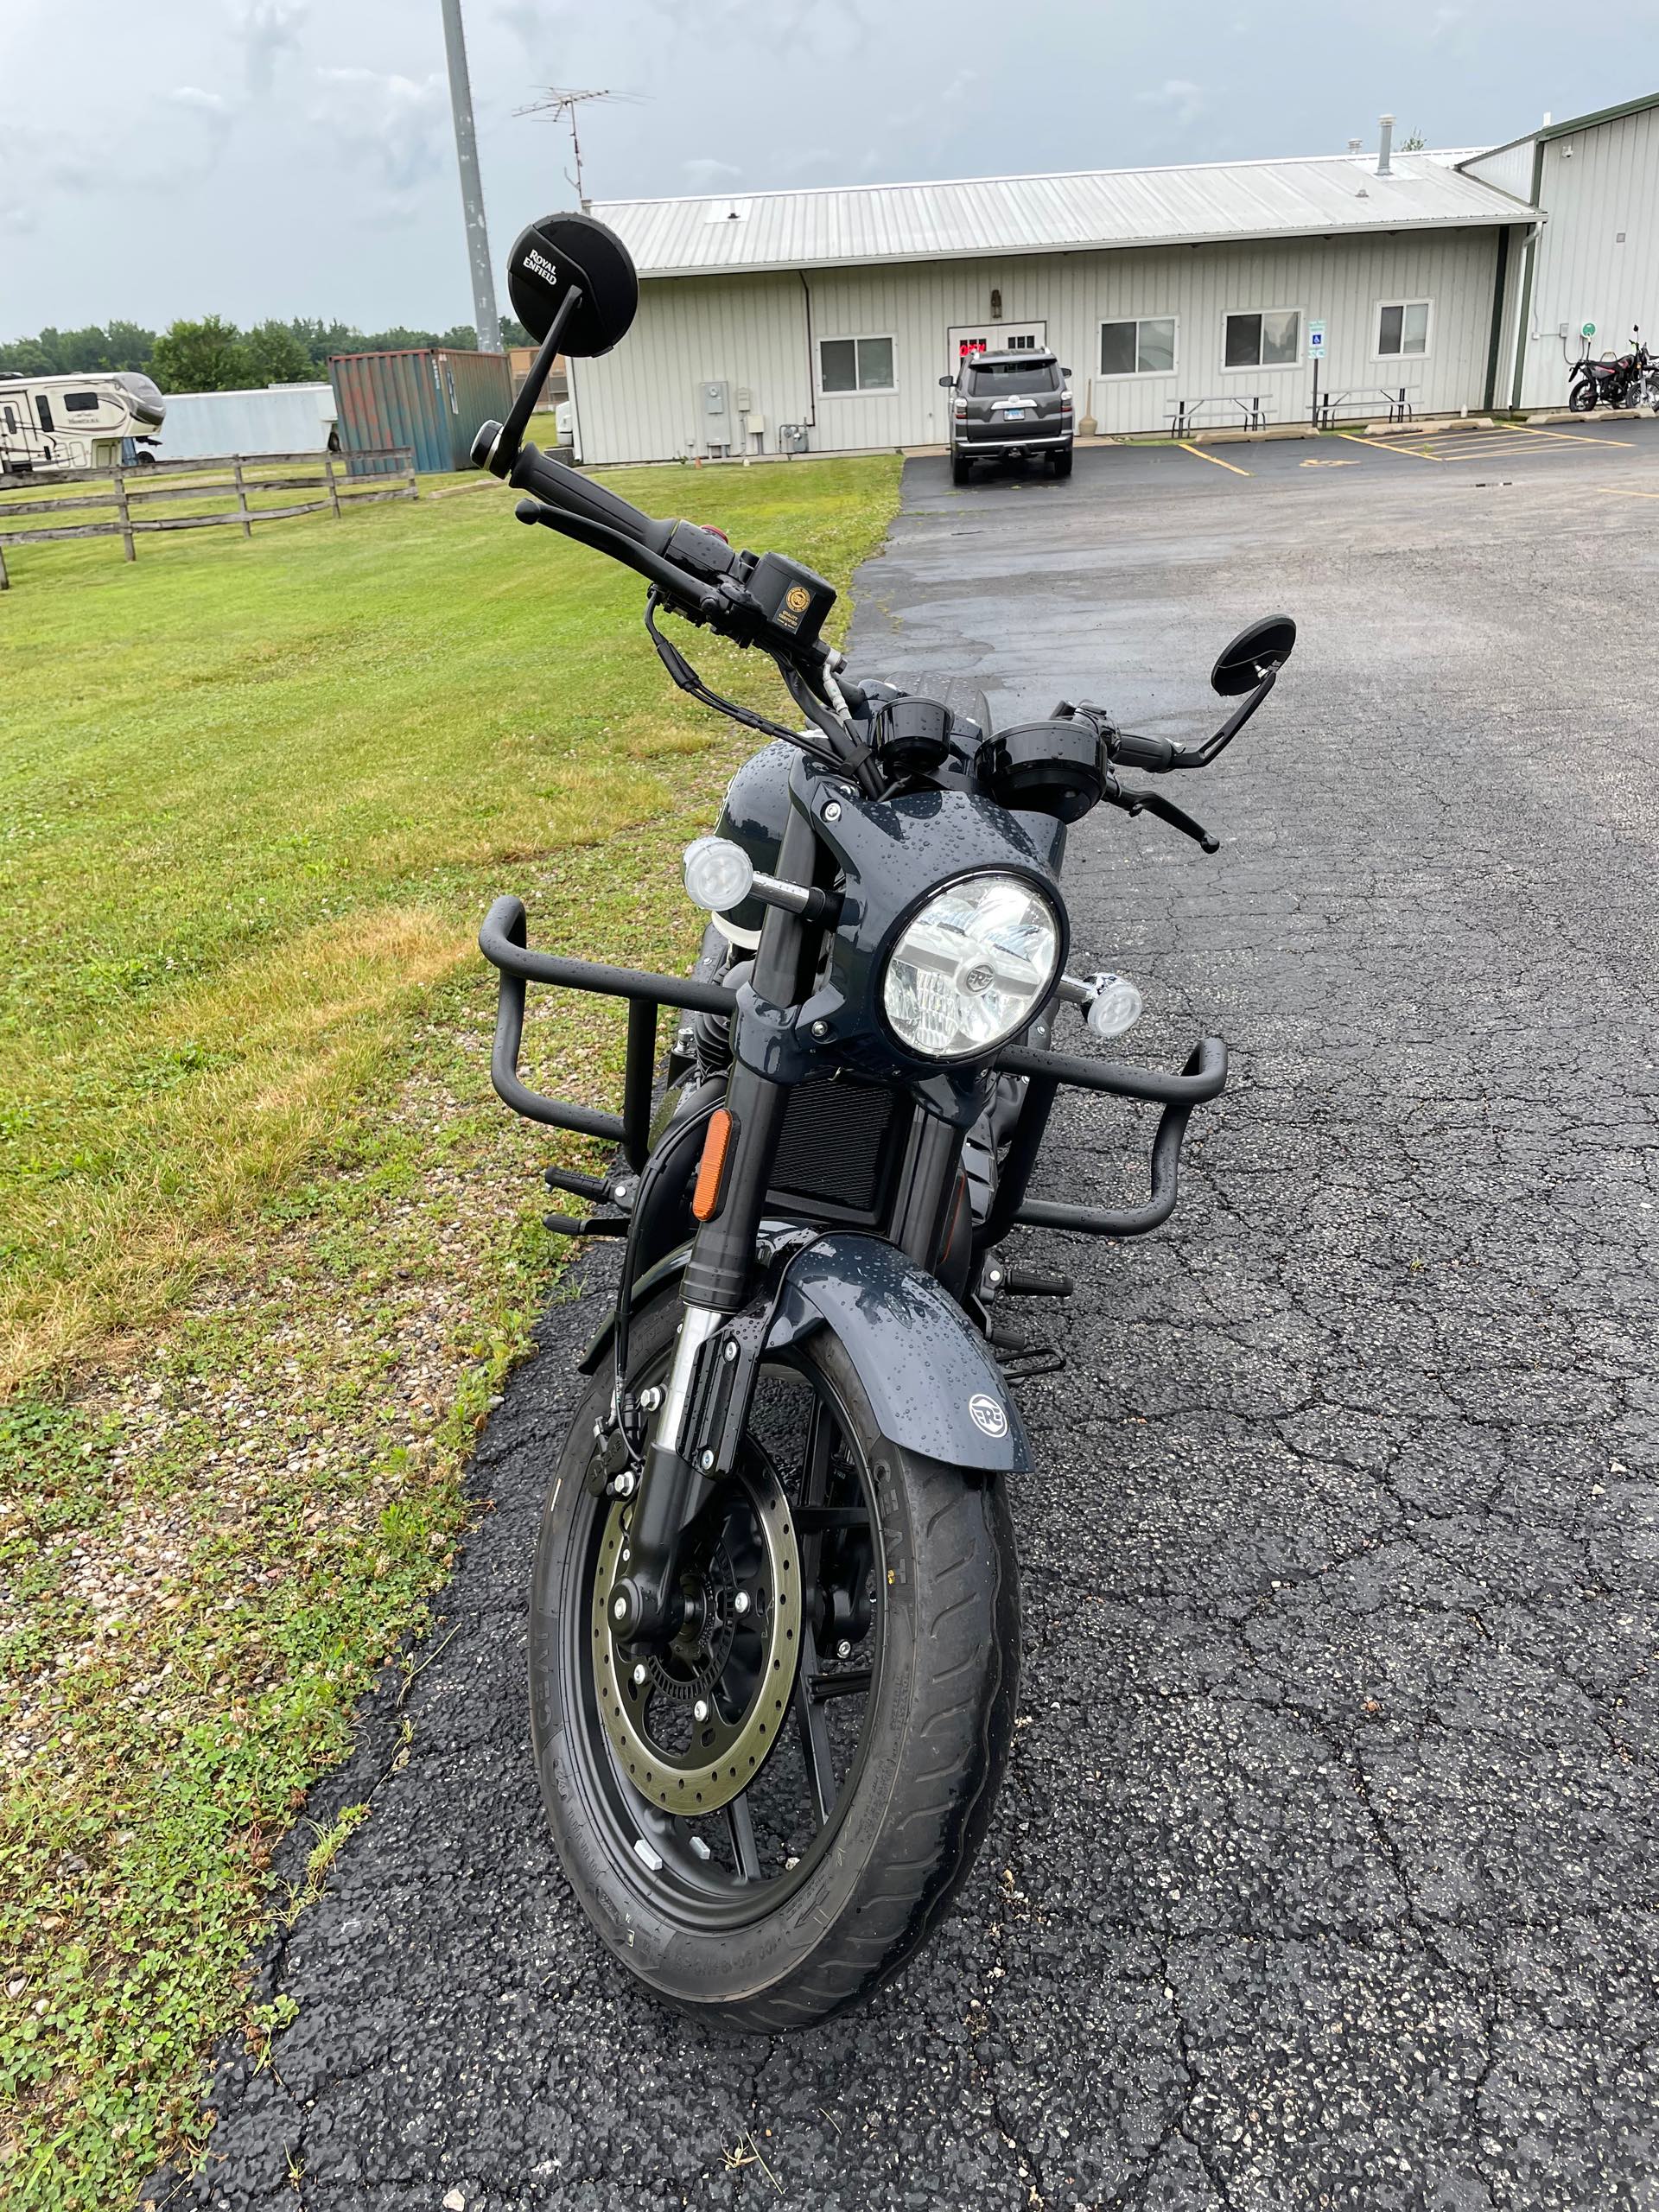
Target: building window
{"x":42,"y":411}
{"x":1138,"y":349}
{"x":80,"y":402}
{"x":1271,"y":340}
{"x":855,"y":364}
{"x":1401,"y":327}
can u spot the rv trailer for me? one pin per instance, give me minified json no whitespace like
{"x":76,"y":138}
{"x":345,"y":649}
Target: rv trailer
{"x":81,"y":422}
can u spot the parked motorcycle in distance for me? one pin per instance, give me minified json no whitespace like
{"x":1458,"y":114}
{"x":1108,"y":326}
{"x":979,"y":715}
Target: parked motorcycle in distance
{"x":1630,"y":380}
{"x":774,"y":1632}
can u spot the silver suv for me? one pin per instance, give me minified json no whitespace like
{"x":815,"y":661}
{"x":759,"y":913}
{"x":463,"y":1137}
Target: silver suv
{"x":1008,"y":407}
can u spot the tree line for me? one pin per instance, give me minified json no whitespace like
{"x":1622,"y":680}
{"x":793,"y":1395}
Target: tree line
{"x":212,"y":354}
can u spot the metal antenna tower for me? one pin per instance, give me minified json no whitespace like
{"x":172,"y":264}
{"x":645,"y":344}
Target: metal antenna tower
{"x":562,"y":105}
{"x":472,"y":189}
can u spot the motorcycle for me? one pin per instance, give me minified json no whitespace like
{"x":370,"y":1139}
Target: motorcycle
{"x":1630,"y":380}
{"x":774,"y":1631}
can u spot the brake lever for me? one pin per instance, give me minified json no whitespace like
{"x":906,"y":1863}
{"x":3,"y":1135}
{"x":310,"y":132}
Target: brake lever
{"x":1167,"y":810}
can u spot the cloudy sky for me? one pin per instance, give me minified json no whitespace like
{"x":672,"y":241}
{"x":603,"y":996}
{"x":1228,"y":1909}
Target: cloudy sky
{"x":255,"y":157}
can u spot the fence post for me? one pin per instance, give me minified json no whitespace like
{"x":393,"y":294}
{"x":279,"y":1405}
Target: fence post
{"x":5,"y":581}
{"x":334,"y":489}
{"x":129,"y":550}
{"x":242,"y":496}
{"x":414,"y":490}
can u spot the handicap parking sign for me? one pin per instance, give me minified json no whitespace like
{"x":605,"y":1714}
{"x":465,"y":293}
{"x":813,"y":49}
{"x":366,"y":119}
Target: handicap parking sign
{"x":1315,"y":340}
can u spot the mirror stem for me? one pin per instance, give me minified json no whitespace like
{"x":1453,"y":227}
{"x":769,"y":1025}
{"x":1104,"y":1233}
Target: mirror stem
{"x":510,"y":435}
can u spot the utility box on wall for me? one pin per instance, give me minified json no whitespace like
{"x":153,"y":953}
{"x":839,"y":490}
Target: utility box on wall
{"x":715,"y":416}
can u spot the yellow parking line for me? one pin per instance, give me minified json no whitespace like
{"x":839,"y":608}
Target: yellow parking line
{"x":1623,"y":492}
{"x":1572,"y":437}
{"x":1406,"y":452}
{"x":1216,"y":457}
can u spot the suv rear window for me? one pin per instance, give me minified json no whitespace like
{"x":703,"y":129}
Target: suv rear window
{"x":993,"y":376}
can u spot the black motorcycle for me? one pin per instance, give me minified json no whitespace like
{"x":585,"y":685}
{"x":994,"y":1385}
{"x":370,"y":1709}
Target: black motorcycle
{"x":775,"y":1620}
{"x":1629,"y":380}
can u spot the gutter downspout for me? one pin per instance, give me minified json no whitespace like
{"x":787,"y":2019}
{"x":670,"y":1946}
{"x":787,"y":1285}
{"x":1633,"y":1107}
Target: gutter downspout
{"x":812,"y":372}
{"x":1494,"y":347}
{"x":1526,"y":285}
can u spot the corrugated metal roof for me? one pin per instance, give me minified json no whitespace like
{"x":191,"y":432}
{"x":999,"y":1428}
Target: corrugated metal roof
{"x":1091,"y":209}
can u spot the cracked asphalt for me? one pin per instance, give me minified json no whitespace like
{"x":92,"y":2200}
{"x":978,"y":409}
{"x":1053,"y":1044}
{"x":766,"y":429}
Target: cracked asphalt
{"x":1326,"y":1873}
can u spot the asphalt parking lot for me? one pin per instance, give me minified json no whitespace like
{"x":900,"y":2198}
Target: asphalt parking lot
{"x":1327,"y":1871}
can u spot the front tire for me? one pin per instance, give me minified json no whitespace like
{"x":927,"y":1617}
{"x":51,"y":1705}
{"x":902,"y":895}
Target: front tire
{"x":825,"y":1870}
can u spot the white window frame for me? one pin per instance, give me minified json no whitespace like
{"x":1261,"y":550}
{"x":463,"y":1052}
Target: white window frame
{"x":1116,"y":376}
{"x":1377,"y":307}
{"x":1263,"y":368}
{"x":856,"y":338}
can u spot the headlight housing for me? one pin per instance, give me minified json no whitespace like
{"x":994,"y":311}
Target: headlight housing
{"x":972,"y":968}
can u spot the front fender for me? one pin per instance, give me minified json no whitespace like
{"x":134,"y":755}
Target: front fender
{"x":929,"y":1375}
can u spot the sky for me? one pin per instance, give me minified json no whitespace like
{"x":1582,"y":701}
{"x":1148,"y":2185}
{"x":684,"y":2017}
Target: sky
{"x":250,"y":158}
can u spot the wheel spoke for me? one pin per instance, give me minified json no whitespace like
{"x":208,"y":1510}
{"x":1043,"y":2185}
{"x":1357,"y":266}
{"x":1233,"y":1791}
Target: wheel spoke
{"x":741,"y":1829}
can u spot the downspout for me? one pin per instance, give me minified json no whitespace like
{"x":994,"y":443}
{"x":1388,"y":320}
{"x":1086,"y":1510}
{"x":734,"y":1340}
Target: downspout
{"x":811,"y":373}
{"x":1526,"y":285}
{"x":1499,"y":285}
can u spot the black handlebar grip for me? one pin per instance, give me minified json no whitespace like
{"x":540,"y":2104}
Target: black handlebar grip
{"x":1156,"y":754}
{"x":569,"y":493}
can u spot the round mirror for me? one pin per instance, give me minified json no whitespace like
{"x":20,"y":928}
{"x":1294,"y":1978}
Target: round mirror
{"x":562,"y":250}
{"x":1242,"y":664}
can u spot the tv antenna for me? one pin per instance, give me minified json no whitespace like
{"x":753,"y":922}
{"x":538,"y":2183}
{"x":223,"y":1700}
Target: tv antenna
{"x":561,"y":103}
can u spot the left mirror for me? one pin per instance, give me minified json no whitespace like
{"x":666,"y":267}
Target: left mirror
{"x":549,"y":255}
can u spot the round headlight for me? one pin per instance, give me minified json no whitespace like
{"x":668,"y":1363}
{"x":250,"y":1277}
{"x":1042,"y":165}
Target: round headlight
{"x":972,"y":968}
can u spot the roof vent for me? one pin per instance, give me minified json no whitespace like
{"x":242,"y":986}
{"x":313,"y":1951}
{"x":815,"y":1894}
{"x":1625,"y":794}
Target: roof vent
{"x":1384,"y":145}
{"x":1354,"y":145}
{"x":727,"y":211}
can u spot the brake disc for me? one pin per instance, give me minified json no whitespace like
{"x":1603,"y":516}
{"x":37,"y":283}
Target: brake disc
{"x":692,"y":1725}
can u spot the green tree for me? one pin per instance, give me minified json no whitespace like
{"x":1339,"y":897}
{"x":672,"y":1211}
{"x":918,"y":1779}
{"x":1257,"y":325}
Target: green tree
{"x":204,"y":356}
{"x":459,"y":337}
{"x":25,"y":356}
{"x":131,"y":347}
{"x":277,"y":354}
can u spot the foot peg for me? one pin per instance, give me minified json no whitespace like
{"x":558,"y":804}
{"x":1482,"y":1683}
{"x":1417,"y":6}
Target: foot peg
{"x":1001,"y":1280}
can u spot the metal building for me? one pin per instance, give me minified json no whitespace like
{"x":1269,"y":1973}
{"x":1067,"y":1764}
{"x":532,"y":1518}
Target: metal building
{"x":1592,"y":269}
{"x":823,"y":320}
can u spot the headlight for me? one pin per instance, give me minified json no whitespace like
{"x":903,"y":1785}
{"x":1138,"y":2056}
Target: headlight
{"x":972,"y":968}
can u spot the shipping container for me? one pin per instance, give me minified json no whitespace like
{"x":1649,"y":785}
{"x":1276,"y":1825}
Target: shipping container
{"x":430,"y":400}
{"x":277,"y":418}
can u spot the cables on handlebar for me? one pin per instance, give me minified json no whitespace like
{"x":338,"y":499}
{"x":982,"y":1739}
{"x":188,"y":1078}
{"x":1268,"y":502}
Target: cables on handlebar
{"x":690,"y":682}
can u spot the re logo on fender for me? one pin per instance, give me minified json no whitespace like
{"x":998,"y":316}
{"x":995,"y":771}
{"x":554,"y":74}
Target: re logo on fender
{"x":987,"y":1414}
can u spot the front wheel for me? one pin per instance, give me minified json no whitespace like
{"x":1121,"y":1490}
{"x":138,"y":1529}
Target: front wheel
{"x":764,"y":1818}
{"x":1582,"y":398}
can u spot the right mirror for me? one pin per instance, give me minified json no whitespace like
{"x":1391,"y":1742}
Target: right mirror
{"x":1242,"y":666}
{"x":559,"y":250}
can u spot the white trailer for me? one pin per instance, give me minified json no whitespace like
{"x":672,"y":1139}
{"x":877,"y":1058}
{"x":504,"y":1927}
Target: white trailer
{"x":81,"y":422}
{"x":273,"y":418}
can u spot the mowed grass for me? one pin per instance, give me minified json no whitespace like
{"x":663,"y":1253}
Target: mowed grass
{"x":266,"y":1241}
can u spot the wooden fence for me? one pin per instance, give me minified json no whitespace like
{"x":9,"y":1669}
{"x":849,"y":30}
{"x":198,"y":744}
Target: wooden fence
{"x":345,"y":479}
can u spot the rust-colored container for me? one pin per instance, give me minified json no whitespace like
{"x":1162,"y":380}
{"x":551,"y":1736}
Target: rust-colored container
{"x":427,"y":398}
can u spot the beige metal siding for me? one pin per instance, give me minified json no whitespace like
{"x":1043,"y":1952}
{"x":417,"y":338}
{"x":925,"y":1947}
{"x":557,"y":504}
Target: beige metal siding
{"x":1596,"y":185}
{"x":637,"y":403}
{"x":1509,"y":170}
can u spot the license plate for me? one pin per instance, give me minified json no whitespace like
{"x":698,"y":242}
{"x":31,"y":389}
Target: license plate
{"x":1016,"y":414}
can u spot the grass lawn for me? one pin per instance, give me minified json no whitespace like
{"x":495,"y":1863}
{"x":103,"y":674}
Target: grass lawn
{"x":267,"y":1243}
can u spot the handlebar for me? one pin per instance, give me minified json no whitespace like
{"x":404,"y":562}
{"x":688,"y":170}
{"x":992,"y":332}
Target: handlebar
{"x":578,"y":496}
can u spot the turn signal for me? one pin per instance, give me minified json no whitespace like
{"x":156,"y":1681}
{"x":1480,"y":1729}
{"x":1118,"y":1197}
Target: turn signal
{"x":711,"y":1169}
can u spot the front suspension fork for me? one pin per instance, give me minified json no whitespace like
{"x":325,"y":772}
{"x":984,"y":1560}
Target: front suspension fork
{"x":718,"y":1283}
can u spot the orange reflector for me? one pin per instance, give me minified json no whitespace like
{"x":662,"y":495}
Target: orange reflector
{"x":711,"y":1168}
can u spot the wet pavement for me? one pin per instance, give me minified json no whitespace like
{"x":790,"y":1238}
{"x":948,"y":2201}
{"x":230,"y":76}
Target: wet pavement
{"x":1327,"y":1870}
